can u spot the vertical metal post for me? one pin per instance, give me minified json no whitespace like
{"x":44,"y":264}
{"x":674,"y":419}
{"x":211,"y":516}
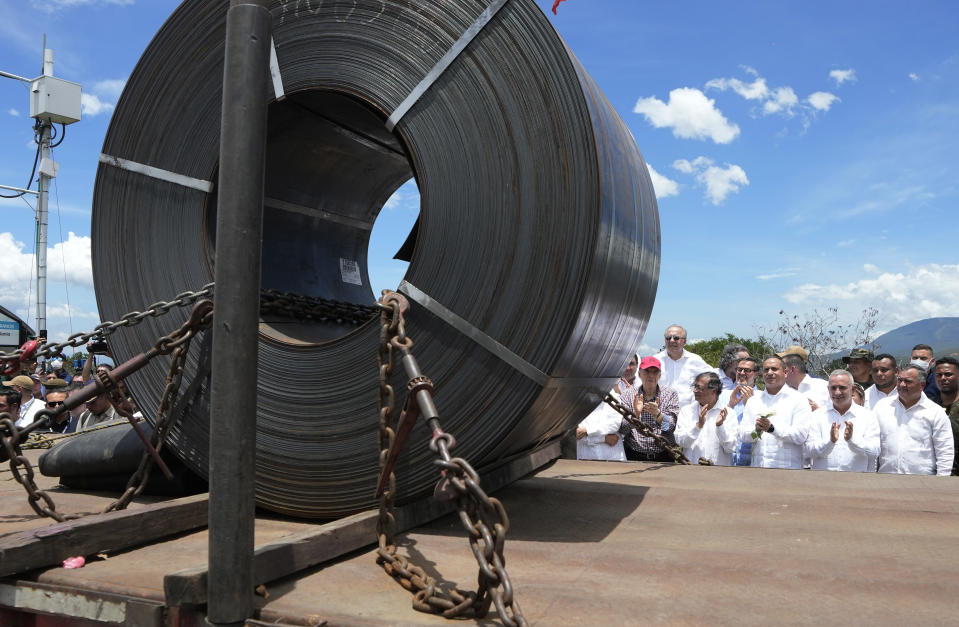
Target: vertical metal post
{"x":43,"y":189}
{"x":236,"y":311}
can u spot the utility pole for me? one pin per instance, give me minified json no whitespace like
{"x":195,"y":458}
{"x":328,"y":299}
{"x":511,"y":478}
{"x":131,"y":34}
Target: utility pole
{"x":42,"y":203}
{"x":52,"y":100}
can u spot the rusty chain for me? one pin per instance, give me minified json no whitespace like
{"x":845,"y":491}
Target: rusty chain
{"x":271,"y":302}
{"x":483,"y":517}
{"x":301,"y":307}
{"x":105,"y":329}
{"x":644,"y":428}
{"x":39,"y":500}
{"x":177,"y":342}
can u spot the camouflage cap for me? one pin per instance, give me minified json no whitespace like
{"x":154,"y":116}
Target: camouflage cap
{"x":55,"y":383}
{"x":858,"y":353}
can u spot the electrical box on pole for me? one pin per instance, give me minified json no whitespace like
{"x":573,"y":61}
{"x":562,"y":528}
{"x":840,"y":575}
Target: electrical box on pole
{"x":55,"y":100}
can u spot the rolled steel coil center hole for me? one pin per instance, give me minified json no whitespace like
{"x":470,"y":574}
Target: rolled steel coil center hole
{"x":331,"y":166}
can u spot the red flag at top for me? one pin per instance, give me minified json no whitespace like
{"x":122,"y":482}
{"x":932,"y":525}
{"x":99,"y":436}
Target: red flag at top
{"x":556,"y":4}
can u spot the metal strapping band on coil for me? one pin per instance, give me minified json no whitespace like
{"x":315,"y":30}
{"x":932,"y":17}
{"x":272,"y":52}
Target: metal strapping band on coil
{"x":538,"y":229}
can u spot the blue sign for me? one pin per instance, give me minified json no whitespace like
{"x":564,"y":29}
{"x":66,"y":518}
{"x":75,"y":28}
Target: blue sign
{"x":9,"y":325}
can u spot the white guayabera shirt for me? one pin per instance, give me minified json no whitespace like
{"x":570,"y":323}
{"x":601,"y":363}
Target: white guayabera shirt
{"x":914,"y":441}
{"x":711,"y":442}
{"x":858,"y":454}
{"x":679,"y":374}
{"x":816,"y":389}
{"x":874,"y":395}
{"x":602,"y":421}
{"x":784,"y":447}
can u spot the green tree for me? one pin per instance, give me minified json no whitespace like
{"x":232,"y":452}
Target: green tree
{"x":711,"y":349}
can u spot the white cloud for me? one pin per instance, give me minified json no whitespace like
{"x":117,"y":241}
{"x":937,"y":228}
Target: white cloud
{"x":13,"y":112}
{"x":718,"y":181}
{"x":69,"y":311}
{"x":846,"y":243}
{"x":781,"y":100}
{"x":775,"y":100}
{"x":914,"y":77}
{"x":394,"y":201}
{"x":663,"y":186}
{"x":51,"y":6}
{"x":755,"y":90}
{"x":915,"y":293}
{"x":102,"y":96}
{"x":780,"y":273}
{"x":19,"y":265}
{"x":92,"y":105}
{"x":822,"y":100}
{"x":110,"y":88}
{"x":843,"y":76}
{"x":690,"y":114}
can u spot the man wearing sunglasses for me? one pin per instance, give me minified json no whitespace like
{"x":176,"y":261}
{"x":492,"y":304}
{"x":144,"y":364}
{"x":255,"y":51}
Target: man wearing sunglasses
{"x":98,"y":410}
{"x":680,"y":367}
{"x":56,"y":395}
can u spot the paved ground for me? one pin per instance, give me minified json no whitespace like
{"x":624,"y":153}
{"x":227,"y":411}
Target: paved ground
{"x":595,"y":543}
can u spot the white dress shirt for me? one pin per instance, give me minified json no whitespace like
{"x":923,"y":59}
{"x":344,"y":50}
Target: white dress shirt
{"x":679,"y":374}
{"x":711,"y":442}
{"x":914,"y":441}
{"x":784,"y":447}
{"x":874,"y":395}
{"x":858,"y":454}
{"x":28,"y":411}
{"x":815,"y":389}
{"x":602,"y":421}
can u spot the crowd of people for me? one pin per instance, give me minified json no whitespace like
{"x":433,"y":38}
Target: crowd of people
{"x":873,"y":415}
{"x":49,"y":385}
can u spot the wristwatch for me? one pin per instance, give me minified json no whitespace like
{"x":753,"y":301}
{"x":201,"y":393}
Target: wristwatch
{"x":771,"y":428}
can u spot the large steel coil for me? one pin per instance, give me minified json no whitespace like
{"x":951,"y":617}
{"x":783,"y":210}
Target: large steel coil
{"x":538,"y":230}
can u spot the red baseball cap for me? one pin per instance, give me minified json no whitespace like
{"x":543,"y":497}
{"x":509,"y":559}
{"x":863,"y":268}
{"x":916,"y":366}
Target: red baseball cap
{"x":650,"y":362}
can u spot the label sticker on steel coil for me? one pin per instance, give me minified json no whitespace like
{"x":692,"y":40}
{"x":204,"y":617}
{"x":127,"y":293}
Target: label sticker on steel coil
{"x":350,"y":271}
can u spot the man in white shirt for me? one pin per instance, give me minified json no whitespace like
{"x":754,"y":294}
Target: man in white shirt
{"x":702,"y":428}
{"x":843,"y":435}
{"x":776,"y":420}
{"x":914,"y":432}
{"x":680,"y":366}
{"x":884,"y":371}
{"x":29,"y":406}
{"x":815,"y":390}
{"x":597,"y":435}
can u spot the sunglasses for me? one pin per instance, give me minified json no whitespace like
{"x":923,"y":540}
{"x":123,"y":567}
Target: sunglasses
{"x":674,"y":337}
{"x":54,"y":403}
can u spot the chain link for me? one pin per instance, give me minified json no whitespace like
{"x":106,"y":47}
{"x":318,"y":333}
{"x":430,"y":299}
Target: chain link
{"x":275,"y":302}
{"x":200,"y":319}
{"x":177,"y":342}
{"x":106,"y":329}
{"x":483,"y":517}
{"x":272,"y":302}
{"x":39,"y":500}
{"x":645,"y":429}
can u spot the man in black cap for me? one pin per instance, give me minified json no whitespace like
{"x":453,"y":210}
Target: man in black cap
{"x":860,"y":365}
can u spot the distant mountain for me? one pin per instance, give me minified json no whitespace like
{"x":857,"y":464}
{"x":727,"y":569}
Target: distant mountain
{"x":942,"y":334}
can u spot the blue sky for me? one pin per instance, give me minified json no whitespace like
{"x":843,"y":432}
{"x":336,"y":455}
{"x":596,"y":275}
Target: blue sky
{"x":805,"y":155}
